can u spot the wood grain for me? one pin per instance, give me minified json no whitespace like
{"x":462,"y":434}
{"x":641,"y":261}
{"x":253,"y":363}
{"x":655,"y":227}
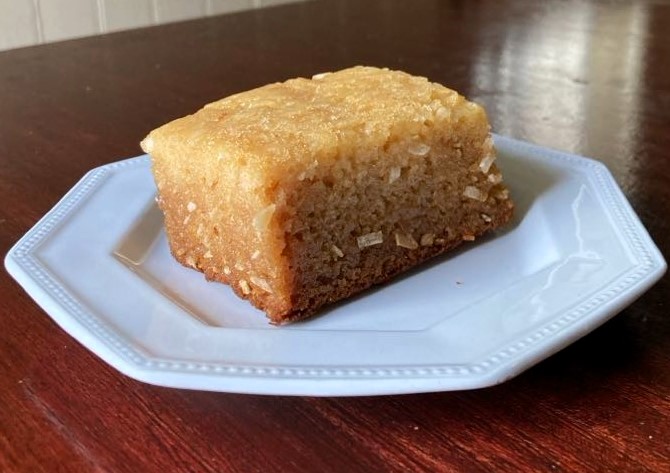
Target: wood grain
{"x":590,"y":77}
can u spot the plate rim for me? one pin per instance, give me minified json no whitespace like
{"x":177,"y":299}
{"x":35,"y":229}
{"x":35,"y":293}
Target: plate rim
{"x":513,"y":358}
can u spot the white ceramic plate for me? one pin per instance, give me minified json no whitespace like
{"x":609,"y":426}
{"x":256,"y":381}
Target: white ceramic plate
{"x":575,"y":255}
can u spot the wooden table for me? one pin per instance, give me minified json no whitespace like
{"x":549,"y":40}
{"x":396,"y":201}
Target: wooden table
{"x":587,"y":77}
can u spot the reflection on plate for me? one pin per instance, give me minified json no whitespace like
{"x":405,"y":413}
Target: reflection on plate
{"x":575,"y":255}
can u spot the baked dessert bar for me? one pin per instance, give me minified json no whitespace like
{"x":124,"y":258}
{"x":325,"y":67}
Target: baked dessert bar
{"x":302,"y":193}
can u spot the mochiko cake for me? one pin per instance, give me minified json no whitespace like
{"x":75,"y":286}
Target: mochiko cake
{"x":302,"y":193}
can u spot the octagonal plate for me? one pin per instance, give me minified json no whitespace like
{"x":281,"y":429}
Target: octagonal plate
{"x":575,"y":255}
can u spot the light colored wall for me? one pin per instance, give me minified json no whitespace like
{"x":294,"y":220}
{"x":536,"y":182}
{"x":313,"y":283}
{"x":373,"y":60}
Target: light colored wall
{"x":28,"y":22}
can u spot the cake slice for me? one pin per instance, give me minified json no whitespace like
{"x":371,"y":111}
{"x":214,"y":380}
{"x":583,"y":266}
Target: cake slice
{"x":303,"y":193}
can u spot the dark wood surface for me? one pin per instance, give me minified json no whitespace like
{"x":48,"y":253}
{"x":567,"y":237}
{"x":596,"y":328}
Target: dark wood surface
{"x":591,"y":78}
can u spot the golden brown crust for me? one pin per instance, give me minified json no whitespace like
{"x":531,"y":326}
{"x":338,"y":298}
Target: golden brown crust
{"x":302,"y":193}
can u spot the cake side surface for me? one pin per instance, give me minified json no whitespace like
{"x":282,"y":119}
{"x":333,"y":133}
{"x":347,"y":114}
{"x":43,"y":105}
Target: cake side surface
{"x":220,"y":219}
{"x":370,"y":216}
{"x":301,"y":193}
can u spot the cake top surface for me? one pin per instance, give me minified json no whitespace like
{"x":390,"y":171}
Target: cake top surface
{"x":290,"y":124}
